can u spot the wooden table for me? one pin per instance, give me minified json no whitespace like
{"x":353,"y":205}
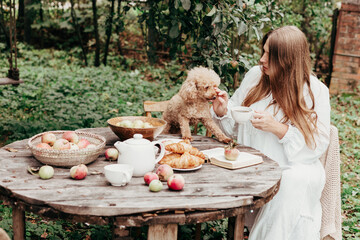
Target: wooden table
{"x":210,"y":193}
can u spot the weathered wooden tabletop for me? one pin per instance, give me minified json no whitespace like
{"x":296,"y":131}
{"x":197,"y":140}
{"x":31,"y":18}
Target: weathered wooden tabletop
{"x":210,"y":193}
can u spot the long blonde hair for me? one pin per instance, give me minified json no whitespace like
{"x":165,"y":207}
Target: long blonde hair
{"x":289,"y":71}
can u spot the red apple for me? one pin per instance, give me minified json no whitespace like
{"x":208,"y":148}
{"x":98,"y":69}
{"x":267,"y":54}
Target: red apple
{"x":176,"y":182}
{"x":231,"y":153}
{"x":164,"y":171}
{"x":149,"y":177}
{"x":48,"y":138}
{"x":111,"y":154}
{"x":61,"y":144}
{"x":78,"y":172}
{"x":43,"y":145}
{"x":71,"y":136}
{"x":83,"y":143}
{"x":155,"y":186}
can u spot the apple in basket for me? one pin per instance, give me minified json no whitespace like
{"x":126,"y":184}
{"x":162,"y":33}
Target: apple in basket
{"x":48,"y":138}
{"x":79,"y":172}
{"x":43,"y":145}
{"x":73,"y":146}
{"x":83,"y":143}
{"x":71,"y":136}
{"x":61,"y":144}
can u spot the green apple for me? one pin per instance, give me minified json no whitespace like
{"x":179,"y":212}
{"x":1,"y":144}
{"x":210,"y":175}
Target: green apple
{"x":155,"y":185}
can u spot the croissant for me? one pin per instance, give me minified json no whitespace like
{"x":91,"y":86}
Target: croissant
{"x":184,"y":161}
{"x":169,"y":157}
{"x":182,"y":147}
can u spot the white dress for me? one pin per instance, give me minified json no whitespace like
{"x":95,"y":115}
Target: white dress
{"x":295,"y":211}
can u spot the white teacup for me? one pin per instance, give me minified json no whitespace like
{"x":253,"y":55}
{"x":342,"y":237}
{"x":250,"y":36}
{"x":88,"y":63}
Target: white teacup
{"x":241,"y":114}
{"x":118,"y":174}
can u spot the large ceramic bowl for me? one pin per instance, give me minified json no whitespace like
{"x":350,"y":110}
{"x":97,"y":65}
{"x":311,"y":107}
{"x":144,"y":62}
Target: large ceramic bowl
{"x":128,"y":132}
{"x":71,"y":157}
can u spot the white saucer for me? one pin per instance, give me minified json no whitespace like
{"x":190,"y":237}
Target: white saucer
{"x":187,"y":169}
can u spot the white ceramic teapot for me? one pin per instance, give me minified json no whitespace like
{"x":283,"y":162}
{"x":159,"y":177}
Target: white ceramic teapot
{"x":140,"y":153}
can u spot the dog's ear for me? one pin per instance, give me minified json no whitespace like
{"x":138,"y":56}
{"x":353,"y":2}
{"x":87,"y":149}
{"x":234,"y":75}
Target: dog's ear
{"x":188,"y":90}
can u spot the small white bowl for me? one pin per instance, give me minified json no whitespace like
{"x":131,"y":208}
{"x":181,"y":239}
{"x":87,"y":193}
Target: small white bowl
{"x":118,"y":174}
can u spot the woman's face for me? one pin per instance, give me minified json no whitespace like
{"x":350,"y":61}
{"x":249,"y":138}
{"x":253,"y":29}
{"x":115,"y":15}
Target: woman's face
{"x":264,"y":61}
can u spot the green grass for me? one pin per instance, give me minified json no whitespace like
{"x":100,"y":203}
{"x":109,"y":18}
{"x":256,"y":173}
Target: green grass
{"x":60,"y":94}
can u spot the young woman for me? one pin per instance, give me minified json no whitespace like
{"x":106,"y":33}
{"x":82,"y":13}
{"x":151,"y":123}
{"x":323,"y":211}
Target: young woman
{"x":291,"y":125}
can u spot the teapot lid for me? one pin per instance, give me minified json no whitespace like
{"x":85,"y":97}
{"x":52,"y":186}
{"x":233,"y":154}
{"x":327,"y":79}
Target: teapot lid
{"x":137,"y":140}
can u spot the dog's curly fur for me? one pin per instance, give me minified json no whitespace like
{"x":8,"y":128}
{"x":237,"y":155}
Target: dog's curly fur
{"x":191,"y":104}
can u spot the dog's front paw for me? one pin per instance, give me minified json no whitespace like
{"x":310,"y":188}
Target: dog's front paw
{"x":225,"y":140}
{"x":187,"y":138}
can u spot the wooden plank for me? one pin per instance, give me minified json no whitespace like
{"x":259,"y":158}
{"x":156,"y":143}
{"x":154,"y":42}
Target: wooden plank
{"x":152,"y":106}
{"x":6,"y":81}
{"x":162,"y":232}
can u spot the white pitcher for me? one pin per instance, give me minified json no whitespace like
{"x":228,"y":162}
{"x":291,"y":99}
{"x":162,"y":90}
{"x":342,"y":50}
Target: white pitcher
{"x":140,"y":153}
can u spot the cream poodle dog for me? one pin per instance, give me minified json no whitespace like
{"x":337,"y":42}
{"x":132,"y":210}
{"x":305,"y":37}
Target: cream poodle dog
{"x":191,"y":104}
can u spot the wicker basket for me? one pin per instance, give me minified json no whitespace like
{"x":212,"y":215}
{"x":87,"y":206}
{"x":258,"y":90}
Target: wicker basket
{"x":67,"y":158}
{"x":125,"y":133}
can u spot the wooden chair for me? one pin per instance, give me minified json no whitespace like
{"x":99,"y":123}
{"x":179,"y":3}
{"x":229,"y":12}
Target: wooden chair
{"x":331,"y":195}
{"x":153,"y":106}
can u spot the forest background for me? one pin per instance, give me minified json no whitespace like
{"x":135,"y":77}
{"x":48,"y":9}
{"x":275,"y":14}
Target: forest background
{"x":84,"y":62}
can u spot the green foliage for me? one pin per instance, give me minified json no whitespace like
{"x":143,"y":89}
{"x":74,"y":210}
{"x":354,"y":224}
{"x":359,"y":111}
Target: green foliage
{"x":313,"y":17}
{"x":66,"y":96}
{"x":38,"y":228}
{"x":345,"y":115}
{"x":215,"y":30}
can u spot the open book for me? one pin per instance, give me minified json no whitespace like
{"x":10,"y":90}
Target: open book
{"x":217,"y":157}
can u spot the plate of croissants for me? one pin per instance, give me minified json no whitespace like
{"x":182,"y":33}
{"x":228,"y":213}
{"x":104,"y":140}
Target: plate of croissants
{"x":181,"y":155}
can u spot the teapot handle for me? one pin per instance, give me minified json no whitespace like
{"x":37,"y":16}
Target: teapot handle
{"x":162,"y":151}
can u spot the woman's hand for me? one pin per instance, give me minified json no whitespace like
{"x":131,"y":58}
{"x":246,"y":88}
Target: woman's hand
{"x":220,"y":103}
{"x":266,"y":122}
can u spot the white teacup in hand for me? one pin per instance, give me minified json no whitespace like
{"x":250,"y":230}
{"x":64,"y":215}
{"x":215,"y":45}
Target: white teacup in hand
{"x":241,"y":114}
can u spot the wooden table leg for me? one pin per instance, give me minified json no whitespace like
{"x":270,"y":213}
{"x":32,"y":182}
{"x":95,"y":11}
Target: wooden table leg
{"x":198,"y":231}
{"x":162,"y":232}
{"x":18,"y":216}
{"x":236,"y":227}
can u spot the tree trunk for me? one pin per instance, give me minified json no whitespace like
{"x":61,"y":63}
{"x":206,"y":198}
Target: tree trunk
{"x":2,"y":25}
{"x":41,"y":14}
{"x":77,"y":29}
{"x":108,"y":31}
{"x":151,"y":26}
{"x":96,"y":33}
{"x":21,"y":18}
{"x":118,"y":28}
{"x":27,"y":21}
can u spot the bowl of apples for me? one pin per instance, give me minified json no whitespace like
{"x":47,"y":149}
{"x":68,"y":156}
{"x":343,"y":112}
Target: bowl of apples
{"x":126,"y":127}
{"x":66,"y":148}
